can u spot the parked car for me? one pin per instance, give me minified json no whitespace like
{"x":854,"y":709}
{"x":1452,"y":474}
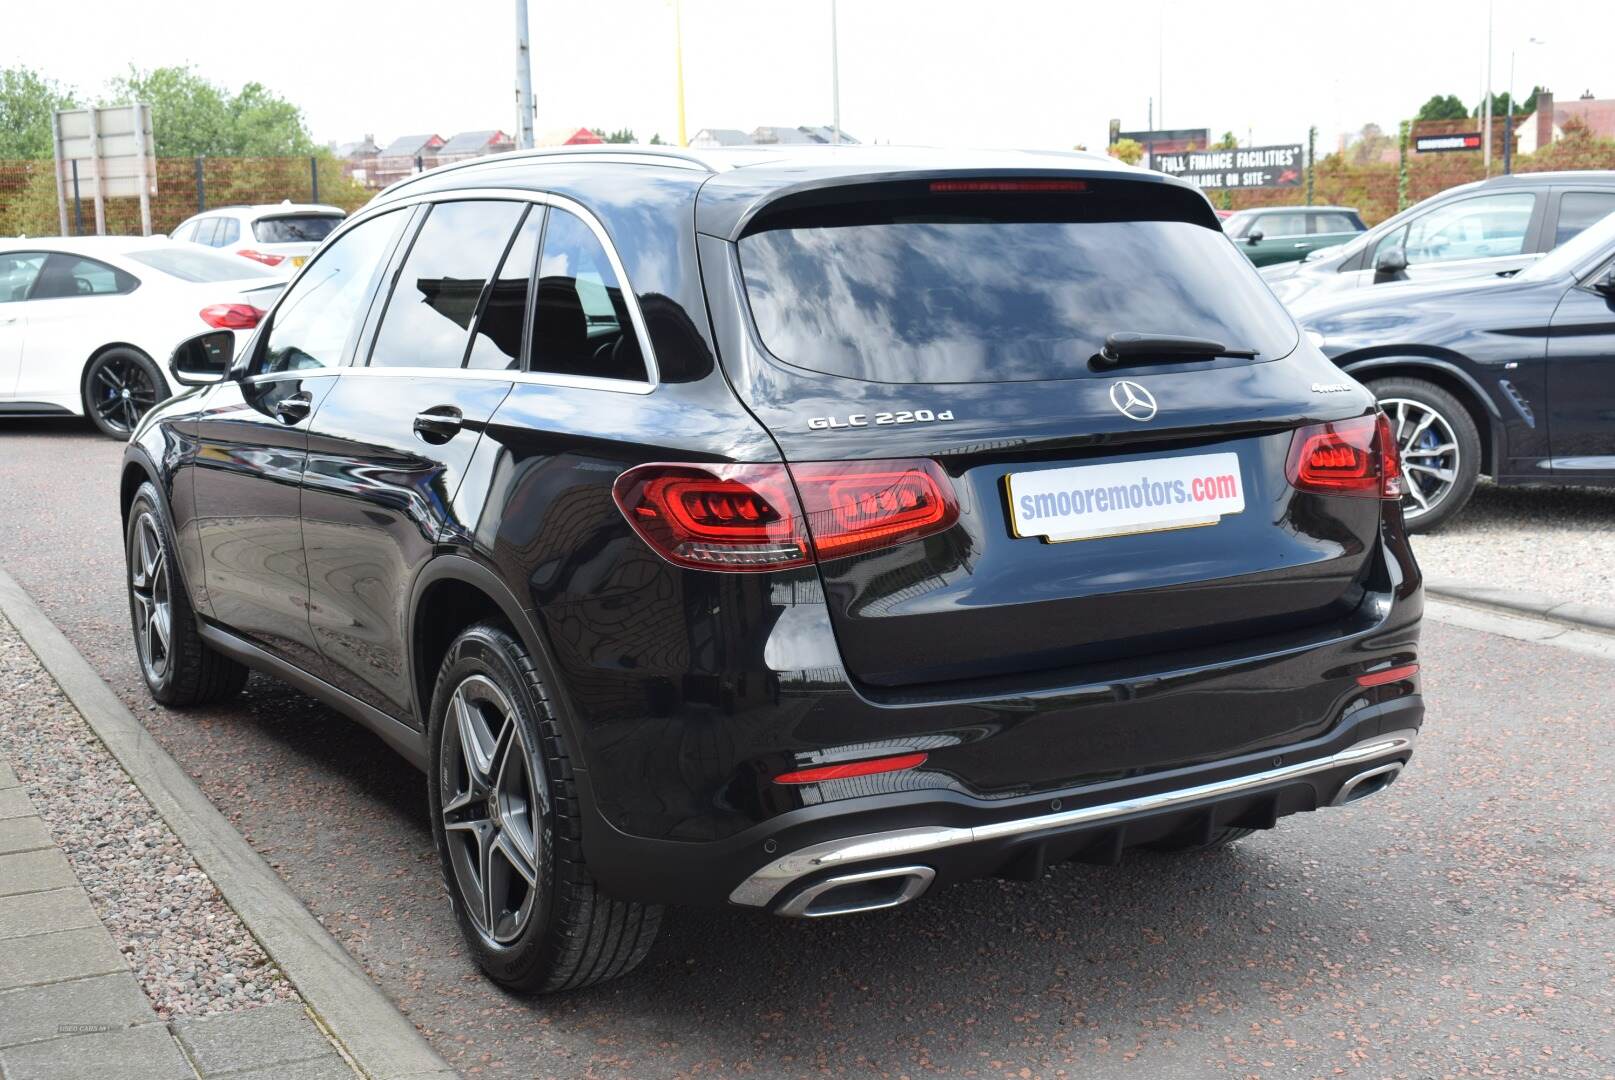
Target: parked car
{"x":280,"y":236}
{"x":1494,"y":226}
{"x":1282,"y":234}
{"x":1507,"y":376}
{"x":790,"y":537}
{"x":85,"y":320}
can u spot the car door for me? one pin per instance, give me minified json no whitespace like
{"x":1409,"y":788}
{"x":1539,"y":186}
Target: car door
{"x":1470,"y":237}
{"x":19,"y":270}
{"x":1276,"y":238}
{"x":1581,"y":379}
{"x":252,"y":443}
{"x":393,"y":441}
{"x":76,"y":304}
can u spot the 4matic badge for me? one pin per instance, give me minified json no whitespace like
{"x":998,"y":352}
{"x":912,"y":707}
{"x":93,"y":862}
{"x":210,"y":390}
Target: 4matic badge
{"x":900,"y":416}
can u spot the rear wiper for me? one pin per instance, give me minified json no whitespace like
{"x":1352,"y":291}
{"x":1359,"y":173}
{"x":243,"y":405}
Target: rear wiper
{"x":1131,"y":347}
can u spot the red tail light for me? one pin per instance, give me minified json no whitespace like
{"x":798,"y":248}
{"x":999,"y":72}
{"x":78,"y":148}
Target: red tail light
{"x":1025,"y":187}
{"x":867,"y":767}
{"x":232,"y":316}
{"x":749,"y":517}
{"x":1346,"y":457}
{"x":1388,"y":675}
{"x":259,"y":256}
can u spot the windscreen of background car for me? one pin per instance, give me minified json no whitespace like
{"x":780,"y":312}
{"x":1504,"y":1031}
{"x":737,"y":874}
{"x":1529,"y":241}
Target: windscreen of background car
{"x":295,"y":228}
{"x":190,"y":264}
{"x":1000,"y":289}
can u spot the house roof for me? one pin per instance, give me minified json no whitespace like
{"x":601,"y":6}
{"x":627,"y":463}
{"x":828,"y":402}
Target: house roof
{"x":471,"y":141}
{"x":721,"y":137}
{"x":361,"y":148}
{"x":566,"y":137}
{"x":782,"y":135}
{"x":410,"y":145}
{"x":1597,"y":113}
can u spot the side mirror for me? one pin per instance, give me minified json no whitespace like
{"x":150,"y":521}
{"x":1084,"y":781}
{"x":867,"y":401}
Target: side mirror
{"x":203,"y":359}
{"x":1254,"y":236}
{"x":1390,"y":263}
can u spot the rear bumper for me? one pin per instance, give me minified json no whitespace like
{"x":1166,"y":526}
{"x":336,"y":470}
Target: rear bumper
{"x":860,"y":854}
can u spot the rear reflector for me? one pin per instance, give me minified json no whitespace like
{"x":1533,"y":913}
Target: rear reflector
{"x":965,"y":187}
{"x":1388,"y":675}
{"x":749,"y":517}
{"x":867,"y":767}
{"x":231,"y":316}
{"x":1346,"y":457}
{"x":261,"y":257}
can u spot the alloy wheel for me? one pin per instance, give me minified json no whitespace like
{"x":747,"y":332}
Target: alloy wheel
{"x":150,"y":597}
{"x":493,"y":803}
{"x":121,"y":391}
{"x":1430,"y":455}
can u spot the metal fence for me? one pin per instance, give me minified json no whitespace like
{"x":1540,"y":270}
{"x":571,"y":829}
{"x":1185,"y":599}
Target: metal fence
{"x":185,"y":186}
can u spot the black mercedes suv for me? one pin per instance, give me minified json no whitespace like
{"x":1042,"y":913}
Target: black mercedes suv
{"x":792,"y":529}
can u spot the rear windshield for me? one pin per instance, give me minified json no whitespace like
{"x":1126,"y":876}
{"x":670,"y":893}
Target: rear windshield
{"x":1000,"y":289}
{"x":295,"y":228}
{"x":190,"y":264}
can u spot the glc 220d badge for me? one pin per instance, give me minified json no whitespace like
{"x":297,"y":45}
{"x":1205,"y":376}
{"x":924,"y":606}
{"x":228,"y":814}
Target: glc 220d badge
{"x":901,"y":416}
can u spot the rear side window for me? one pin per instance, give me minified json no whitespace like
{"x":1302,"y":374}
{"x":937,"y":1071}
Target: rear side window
{"x":498,"y":340}
{"x":192,"y":264}
{"x":1270,"y":225}
{"x":294,"y":228}
{"x":18,"y":272}
{"x":318,"y":319}
{"x":428,"y":318}
{"x":996,"y":289}
{"x":71,"y":275}
{"x":1579,"y":209}
{"x":581,"y":325}
{"x":229,"y":232}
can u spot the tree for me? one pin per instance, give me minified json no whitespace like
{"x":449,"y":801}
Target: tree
{"x":656,"y":140}
{"x":622,"y":135}
{"x":1372,"y":143}
{"x":1450,"y":107}
{"x":27,"y":100}
{"x":1528,"y":106}
{"x":191,"y":116}
{"x":1130,"y":151}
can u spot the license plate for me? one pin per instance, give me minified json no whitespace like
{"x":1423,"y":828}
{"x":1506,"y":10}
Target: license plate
{"x":1090,"y":501}
{"x":298,"y":260}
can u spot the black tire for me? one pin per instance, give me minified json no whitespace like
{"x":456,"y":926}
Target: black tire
{"x":120,"y":386}
{"x":180,"y":669}
{"x":1448,"y":496}
{"x":554,"y":930}
{"x":1221,"y":838}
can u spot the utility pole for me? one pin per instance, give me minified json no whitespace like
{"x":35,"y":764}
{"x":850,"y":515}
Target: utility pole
{"x":1486,"y":98}
{"x":678,"y":63}
{"x":835,"y":76}
{"x":524,"y":81}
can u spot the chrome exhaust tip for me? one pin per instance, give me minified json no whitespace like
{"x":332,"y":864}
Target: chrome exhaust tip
{"x":1367,"y":783}
{"x":849,"y":894}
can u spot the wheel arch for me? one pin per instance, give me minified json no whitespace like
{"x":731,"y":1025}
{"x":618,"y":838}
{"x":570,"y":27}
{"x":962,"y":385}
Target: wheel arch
{"x":137,"y":470}
{"x":166,"y":391}
{"x":1451,"y":378}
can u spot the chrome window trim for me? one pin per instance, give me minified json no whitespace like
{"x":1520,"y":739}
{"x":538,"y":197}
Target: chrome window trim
{"x":504,"y":375}
{"x":544,"y":198}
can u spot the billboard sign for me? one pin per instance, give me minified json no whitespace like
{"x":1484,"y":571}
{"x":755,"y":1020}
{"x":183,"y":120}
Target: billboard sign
{"x":1242,"y":167}
{"x":1441,"y":144}
{"x":110,"y":150}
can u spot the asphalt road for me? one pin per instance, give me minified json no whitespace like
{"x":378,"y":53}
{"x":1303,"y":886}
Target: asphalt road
{"x":1460,"y":924}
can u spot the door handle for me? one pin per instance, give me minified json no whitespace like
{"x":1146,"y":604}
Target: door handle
{"x":297,"y":407}
{"x":439,"y":424}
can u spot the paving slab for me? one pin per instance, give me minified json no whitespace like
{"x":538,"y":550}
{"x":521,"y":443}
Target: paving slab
{"x":8,"y":776}
{"x":271,"y":1035}
{"x":326,"y":1068}
{"x":24,"y":834}
{"x":147,"y":1052}
{"x":35,"y":1013}
{"x":14,"y":803}
{"x":35,"y":871}
{"x":41,"y":913}
{"x":67,"y":954}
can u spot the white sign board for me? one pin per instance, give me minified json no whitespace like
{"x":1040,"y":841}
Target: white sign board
{"x":122,"y":148}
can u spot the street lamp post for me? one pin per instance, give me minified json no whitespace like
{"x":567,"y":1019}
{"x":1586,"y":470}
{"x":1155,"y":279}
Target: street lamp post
{"x":835,"y":76}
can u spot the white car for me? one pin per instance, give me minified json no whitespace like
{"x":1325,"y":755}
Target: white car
{"x":88,"y":323}
{"x":280,"y":237}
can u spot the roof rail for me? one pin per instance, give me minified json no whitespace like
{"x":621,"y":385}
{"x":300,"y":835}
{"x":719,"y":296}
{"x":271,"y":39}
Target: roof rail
{"x":672,"y":156}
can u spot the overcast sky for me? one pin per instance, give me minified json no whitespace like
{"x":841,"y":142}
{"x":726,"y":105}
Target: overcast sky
{"x":1034,"y":73}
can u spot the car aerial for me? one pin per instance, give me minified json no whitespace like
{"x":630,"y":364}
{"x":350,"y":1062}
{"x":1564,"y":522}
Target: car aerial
{"x":1488,"y":227}
{"x":1281,"y":234}
{"x":1506,"y":376}
{"x":792,"y":529}
{"x":85,"y":321}
{"x":278,"y":236}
